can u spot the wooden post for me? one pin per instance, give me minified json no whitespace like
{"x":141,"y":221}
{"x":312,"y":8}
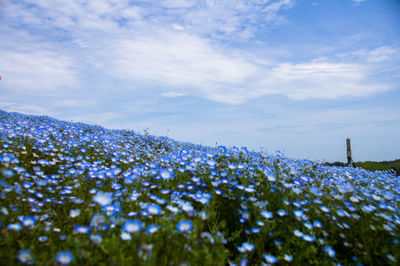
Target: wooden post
{"x":349,"y":159}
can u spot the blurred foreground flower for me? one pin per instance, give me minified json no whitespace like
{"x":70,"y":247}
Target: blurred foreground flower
{"x":25,"y":256}
{"x":184,"y":226}
{"x":64,"y":257}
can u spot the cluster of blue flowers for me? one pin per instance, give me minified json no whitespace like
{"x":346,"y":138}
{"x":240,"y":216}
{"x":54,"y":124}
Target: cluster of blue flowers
{"x":72,"y":192}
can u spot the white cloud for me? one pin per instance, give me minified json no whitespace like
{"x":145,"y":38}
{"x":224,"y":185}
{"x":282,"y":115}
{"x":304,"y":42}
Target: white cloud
{"x":185,"y":63}
{"x":102,"y":15}
{"x":190,"y":65}
{"x":81,"y":43}
{"x":381,"y":54}
{"x":26,"y":108}
{"x":37,"y":70}
{"x":272,"y":10}
{"x":177,"y":27}
{"x":324,"y":80}
{"x":178,"y":3}
{"x":172,"y":94}
{"x":357,"y":2}
{"x":108,"y":119}
{"x":221,"y":19}
{"x":131,"y":13}
{"x":233,"y":18}
{"x":177,"y":49}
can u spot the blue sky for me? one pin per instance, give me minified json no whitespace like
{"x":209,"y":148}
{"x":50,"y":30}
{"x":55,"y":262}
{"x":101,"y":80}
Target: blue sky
{"x":294,"y":76}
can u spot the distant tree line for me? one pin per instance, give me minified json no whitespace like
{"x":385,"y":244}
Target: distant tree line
{"x":373,"y":166}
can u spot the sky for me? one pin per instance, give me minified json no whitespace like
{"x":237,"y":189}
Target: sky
{"x":289,"y":75}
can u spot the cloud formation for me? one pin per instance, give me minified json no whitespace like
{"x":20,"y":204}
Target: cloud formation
{"x":37,"y":70}
{"x":180,"y":47}
{"x":191,"y":65}
{"x":357,"y":2}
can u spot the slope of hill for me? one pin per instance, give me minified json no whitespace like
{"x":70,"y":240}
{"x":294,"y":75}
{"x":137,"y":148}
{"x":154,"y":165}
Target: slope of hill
{"x":392,"y":166}
{"x":381,"y":166}
{"x":85,"y":195}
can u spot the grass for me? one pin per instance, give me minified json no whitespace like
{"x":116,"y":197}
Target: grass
{"x":237,"y":206}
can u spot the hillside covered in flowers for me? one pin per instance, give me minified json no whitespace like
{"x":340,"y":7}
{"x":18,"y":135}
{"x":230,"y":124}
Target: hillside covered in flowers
{"x":78,"y":194}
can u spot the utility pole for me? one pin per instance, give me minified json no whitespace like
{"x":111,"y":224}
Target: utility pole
{"x":349,"y":159}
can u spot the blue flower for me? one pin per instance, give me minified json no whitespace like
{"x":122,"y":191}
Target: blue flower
{"x":4,"y":211}
{"x":165,"y":174}
{"x":324,"y":209}
{"x":6,"y":158}
{"x":165,"y":191}
{"x":308,"y":225}
{"x":8,"y":173}
{"x":103,"y":198}
{"x":203,"y":215}
{"x":211,"y":163}
{"x":125,"y":236}
{"x":74,"y":213}
{"x":298,"y":213}
{"x":298,"y":233}
{"x":153,"y":209}
{"x":25,"y":256}
{"x":270,"y":259}
{"x":329,"y":250}
{"x":244,"y":262}
{"x":391,"y":257}
{"x":368,"y":208}
{"x":184,"y":226}
{"x":151,"y":229}
{"x":97,"y":239}
{"x":97,"y":221}
{"x":43,"y":238}
{"x":341,"y":212}
{"x":260,"y":223}
{"x":80,"y":229}
{"x":15,"y":227}
{"x":28,"y":221}
{"x":64,"y":257}
{"x":116,"y":186}
{"x":172,"y":209}
{"x":146,"y":183}
{"x":131,"y":214}
{"x":267,"y":214}
{"x":288,"y":258}
{"x":246,"y":247}
{"x":129,"y":180}
{"x":221,"y":149}
{"x":308,"y":238}
{"x":282,"y":213}
{"x":317,"y":224}
{"x":132,"y":226}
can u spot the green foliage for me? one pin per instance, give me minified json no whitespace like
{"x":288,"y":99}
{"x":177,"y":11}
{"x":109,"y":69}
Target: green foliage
{"x":381,"y":166}
{"x":373,"y":166}
{"x":292,"y":210}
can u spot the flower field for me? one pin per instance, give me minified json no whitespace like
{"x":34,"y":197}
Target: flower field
{"x":79,"y":194}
